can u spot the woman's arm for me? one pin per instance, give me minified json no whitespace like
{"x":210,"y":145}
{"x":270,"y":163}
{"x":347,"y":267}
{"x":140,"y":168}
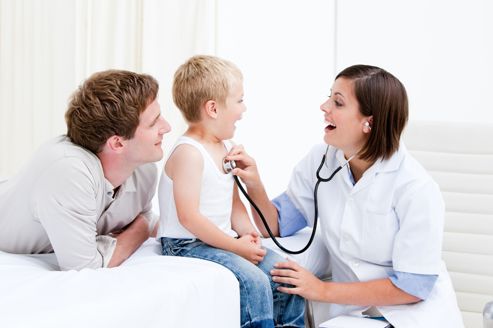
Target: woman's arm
{"x":375,"y":292}
{"x":247,"y":171}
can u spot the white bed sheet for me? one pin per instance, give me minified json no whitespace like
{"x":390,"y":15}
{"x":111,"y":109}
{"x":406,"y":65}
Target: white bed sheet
{"x":148,"y":290}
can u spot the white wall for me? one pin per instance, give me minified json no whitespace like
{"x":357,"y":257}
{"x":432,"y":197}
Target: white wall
{"x":288,"y":50}
{"x":285,"y":49}
{"x":441,"y":50}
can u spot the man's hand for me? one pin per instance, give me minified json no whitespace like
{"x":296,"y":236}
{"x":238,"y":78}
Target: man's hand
{"x":129,"y":240}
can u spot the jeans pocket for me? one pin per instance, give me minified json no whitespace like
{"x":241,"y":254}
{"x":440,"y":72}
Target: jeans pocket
{"x":177,"y":246}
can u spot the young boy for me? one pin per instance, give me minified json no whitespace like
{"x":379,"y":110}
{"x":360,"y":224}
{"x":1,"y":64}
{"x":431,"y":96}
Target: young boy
{"x":202,"y":215}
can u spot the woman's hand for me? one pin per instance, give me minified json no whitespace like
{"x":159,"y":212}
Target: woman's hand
{"x":246,"y":167}
{"x":303,"y":282}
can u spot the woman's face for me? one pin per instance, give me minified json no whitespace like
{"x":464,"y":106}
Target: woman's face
{"x":345,"y":125}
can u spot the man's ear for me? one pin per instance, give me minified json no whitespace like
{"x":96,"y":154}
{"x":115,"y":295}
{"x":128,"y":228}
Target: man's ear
{"x":210,"y":108}
{"x":115,"y":144}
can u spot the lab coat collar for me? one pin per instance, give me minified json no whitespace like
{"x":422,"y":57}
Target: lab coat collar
{"x":393,"y":163}
{"x":380,"y":166}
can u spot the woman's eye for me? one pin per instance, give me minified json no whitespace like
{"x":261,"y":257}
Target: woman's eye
{"x":338,"y":104}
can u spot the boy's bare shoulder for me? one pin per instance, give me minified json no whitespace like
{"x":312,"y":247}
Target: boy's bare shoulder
{"x":185,"y":155}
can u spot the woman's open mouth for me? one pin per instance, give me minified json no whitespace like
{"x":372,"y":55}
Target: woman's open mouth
{"x":330,"y":126}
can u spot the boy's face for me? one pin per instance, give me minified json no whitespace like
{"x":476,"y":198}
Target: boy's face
{"x":145,"y":146}
{"x":232,"y":109}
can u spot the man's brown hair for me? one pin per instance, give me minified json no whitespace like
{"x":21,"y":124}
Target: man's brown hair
{"x":108,"y":103}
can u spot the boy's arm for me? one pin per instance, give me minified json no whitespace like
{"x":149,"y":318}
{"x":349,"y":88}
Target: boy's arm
{"x":246,"y":170}
{"x":185,"y":169}
{"x":240,"y":220}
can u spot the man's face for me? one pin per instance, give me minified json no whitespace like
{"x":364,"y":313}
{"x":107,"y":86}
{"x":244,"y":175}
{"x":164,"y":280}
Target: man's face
{"x":145,"y":146}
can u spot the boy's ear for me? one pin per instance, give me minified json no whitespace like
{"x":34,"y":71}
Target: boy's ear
{"x":211,"y":108}
{"x":115,"y":144}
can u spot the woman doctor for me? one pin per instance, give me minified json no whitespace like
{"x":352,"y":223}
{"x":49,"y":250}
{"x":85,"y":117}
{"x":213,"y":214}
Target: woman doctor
{"x":381,"y":216}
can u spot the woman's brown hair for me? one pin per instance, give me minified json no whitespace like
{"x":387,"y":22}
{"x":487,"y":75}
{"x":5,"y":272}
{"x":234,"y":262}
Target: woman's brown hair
{"x":382,"y":96}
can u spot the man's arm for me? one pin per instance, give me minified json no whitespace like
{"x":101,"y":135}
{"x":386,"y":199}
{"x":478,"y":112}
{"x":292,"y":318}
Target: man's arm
{"x":129,"y":240}
{"x":66,"y":203}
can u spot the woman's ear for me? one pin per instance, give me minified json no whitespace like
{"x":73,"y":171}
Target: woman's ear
{"x":210,"y":108}
{"x":368,"y":124}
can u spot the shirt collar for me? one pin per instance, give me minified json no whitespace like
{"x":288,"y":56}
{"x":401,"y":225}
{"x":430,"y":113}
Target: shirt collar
{"x":381,"y":165}
{"x":127,"y":186}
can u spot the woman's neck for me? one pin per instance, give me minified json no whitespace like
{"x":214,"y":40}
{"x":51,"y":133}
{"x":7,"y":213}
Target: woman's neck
{"x":358,"y":167}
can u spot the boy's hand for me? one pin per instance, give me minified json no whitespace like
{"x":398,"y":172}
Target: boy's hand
{"x":256,"y":238}
{"x":249,"y":248}
{"x":246,"y":168}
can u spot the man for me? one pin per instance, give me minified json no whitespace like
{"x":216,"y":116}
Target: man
{"x":87,"y":196}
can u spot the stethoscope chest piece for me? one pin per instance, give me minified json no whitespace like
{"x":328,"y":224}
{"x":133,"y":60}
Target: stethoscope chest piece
{"x":228,"y":166}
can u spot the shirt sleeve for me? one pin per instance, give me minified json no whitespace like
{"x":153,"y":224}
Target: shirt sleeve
{"x":419,"y":285}
{"x":65,"y":202}
{"x":290,"y":218}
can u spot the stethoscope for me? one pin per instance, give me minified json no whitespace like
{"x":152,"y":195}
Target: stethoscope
{"x":228,"y":166}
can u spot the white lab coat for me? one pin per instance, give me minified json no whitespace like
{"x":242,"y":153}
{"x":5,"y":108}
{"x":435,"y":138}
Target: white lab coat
{"x":391,"y":219}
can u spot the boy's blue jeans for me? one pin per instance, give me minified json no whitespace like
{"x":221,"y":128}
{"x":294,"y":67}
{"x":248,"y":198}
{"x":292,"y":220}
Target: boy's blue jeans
{"x":262,"y":305}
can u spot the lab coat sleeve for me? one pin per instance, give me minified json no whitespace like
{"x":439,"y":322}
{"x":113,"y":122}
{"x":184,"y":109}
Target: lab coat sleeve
{"x":418,"y":243}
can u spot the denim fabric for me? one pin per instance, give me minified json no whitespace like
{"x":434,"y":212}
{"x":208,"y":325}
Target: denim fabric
{"x":261,"y":304}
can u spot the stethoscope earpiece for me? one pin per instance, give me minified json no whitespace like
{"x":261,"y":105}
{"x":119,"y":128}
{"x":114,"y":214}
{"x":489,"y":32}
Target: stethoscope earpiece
{"x":228,"y":166}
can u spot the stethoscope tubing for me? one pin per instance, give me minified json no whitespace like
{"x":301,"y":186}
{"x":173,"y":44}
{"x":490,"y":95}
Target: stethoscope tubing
{"x":315,"y":201}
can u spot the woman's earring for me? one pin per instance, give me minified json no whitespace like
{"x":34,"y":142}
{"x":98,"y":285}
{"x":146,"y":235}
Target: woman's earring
{"x":367,"y":127}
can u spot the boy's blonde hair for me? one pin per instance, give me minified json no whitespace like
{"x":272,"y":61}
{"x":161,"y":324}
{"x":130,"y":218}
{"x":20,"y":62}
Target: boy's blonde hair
{"x":200,"y":79}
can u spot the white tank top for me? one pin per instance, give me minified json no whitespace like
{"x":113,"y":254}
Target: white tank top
{"x":216,"y":196}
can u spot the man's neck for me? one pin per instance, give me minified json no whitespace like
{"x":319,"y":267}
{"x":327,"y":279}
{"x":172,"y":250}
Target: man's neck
{"x":115,"y":170}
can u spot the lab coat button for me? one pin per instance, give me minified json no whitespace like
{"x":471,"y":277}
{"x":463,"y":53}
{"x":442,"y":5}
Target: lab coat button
{"x":356,"y":264}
